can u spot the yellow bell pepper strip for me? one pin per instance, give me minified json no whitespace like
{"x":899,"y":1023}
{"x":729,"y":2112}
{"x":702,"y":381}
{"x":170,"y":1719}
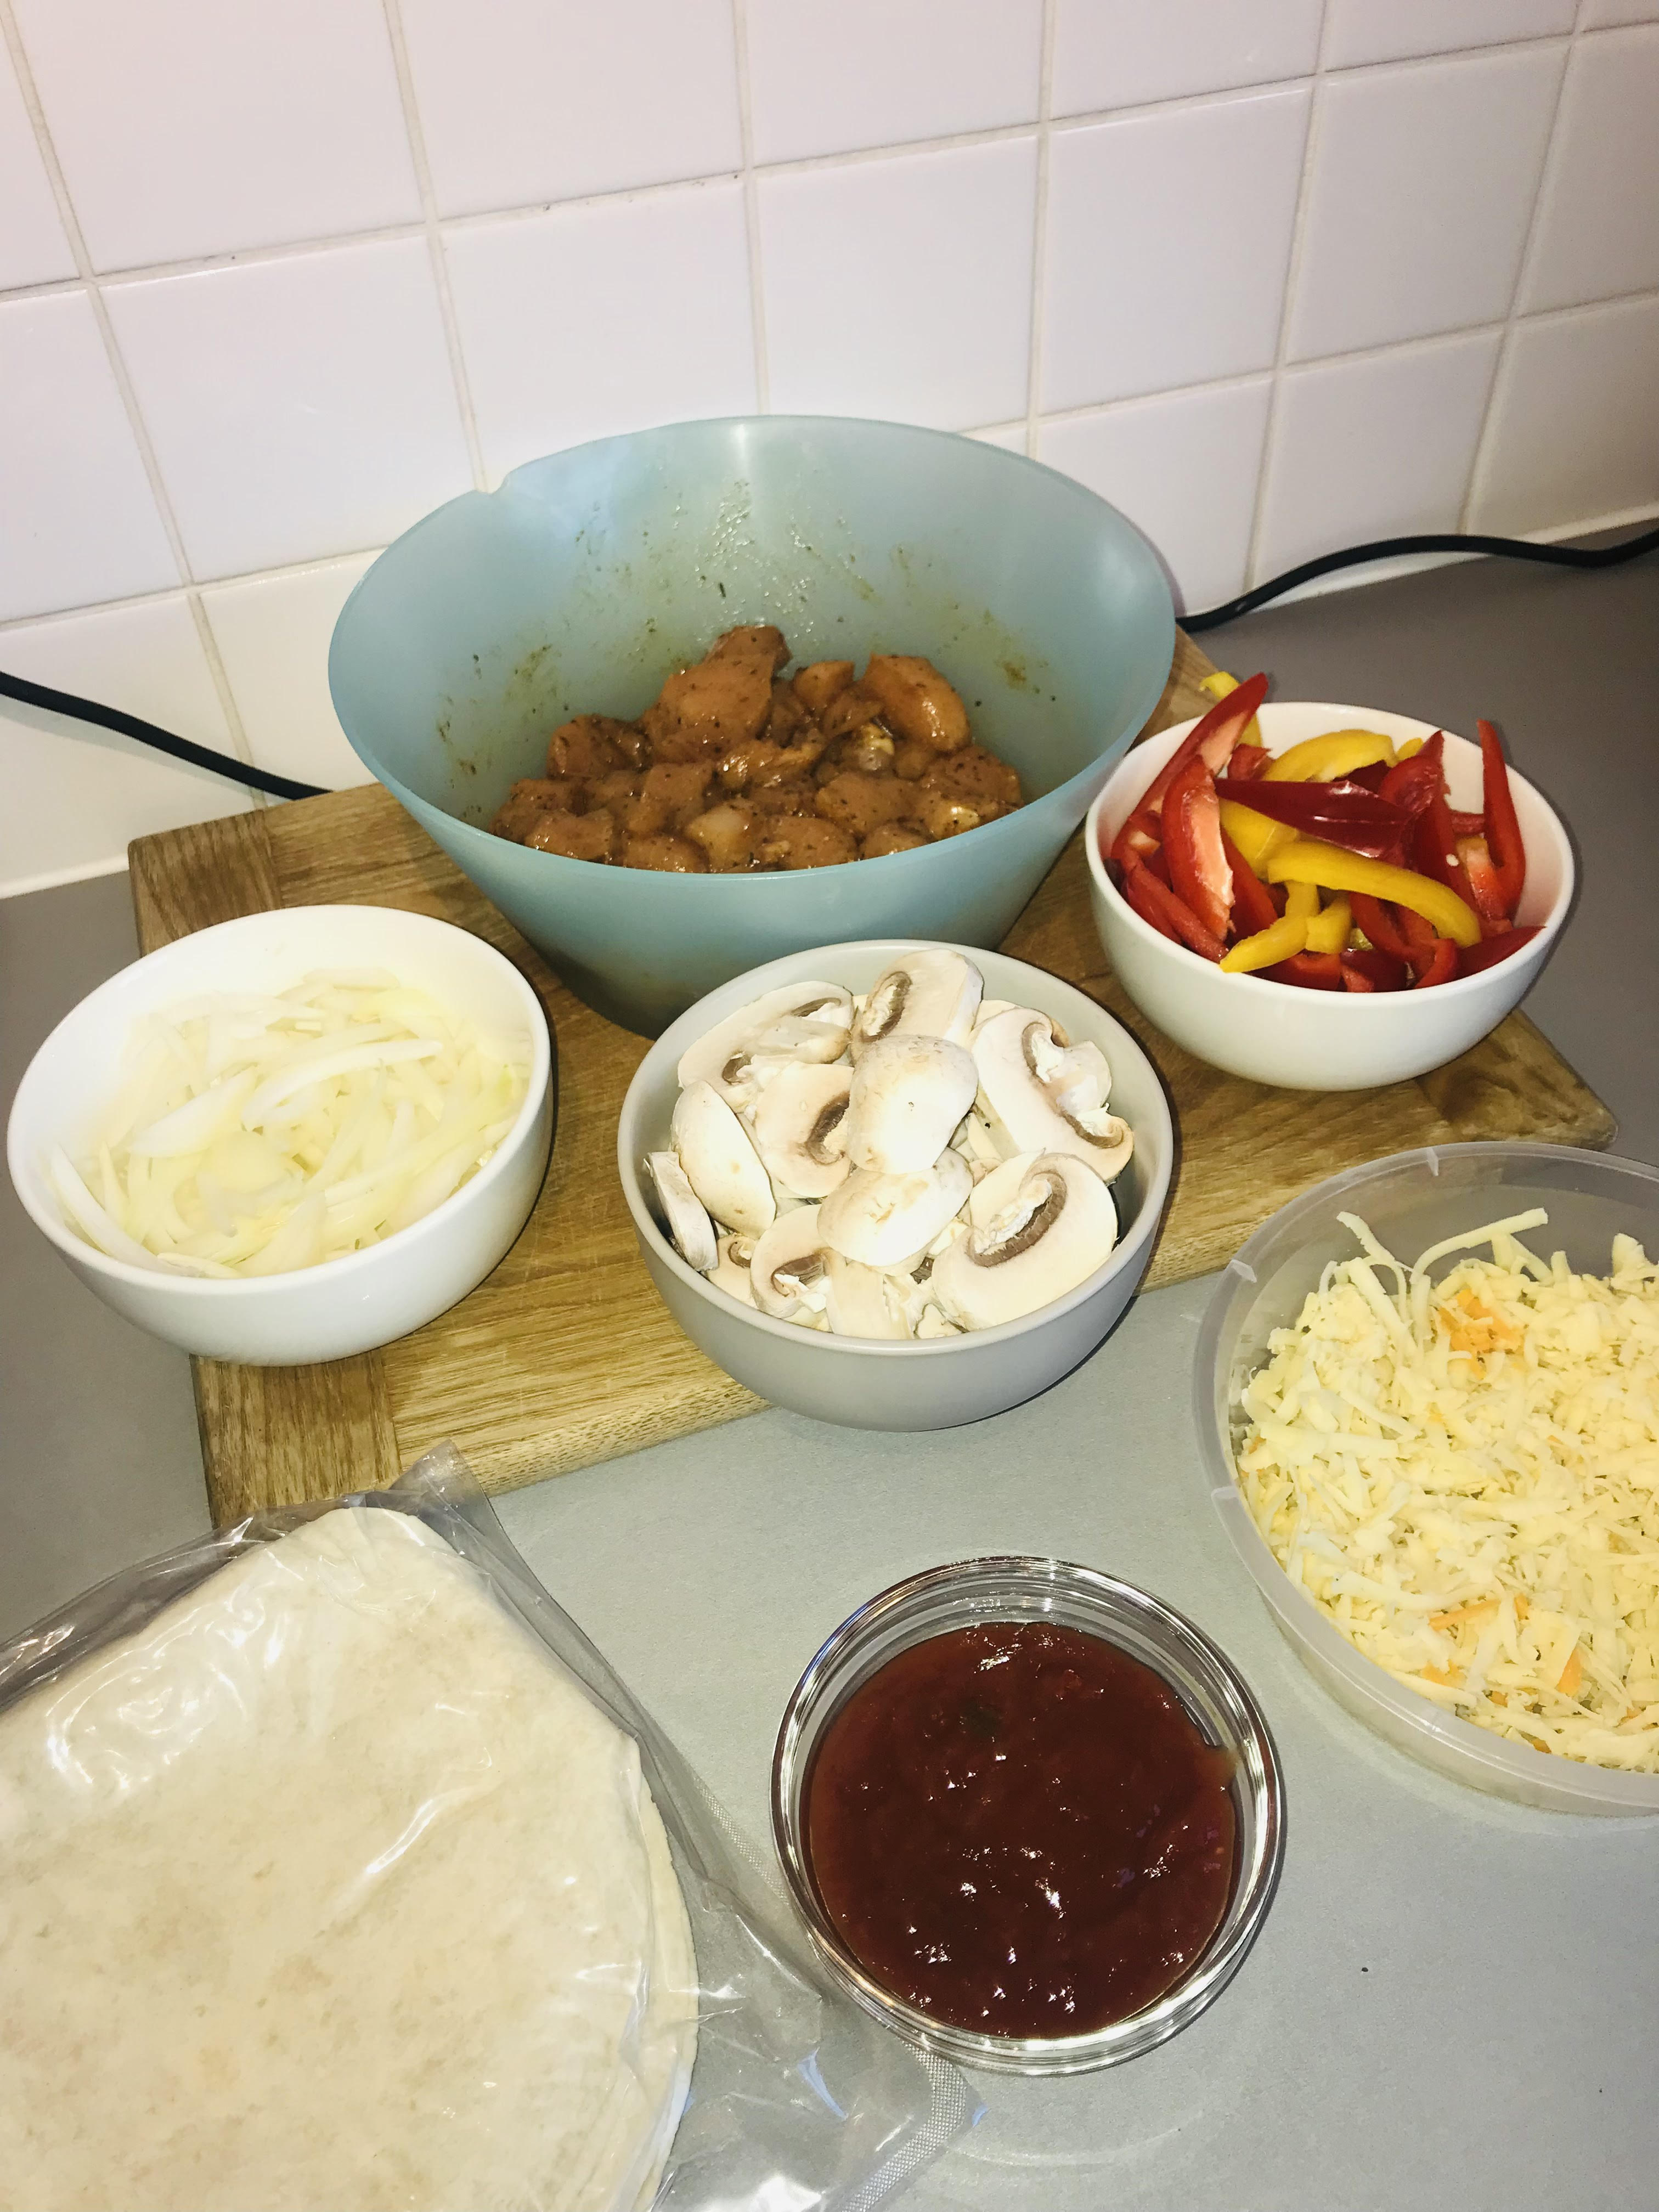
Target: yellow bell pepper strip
{"x":1338,"y":753}
{"x":1308,"y":862}
{"x":1268,"y":947}
{"x":1328,"y":930}
{"x":1256,"y":837}
{"x":1303,"y":901}
{"x":1410,"y":749}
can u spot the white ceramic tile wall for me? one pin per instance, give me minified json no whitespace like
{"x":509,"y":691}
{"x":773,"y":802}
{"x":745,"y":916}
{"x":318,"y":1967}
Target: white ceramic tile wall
{"x":274,"y":281}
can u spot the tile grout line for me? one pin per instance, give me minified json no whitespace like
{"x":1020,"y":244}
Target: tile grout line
{"x":1485,"y":443}
{"x":433,"y":231}
{"x":1040,"y":233}
{"x":1292,"y":283}
{"x":139,"y":428}
{"x":751,"y":229}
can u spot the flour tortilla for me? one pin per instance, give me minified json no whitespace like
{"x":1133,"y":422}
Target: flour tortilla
{"x":331,"y":1891}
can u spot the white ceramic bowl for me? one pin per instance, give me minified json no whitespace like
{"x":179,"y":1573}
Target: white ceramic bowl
{"x":345,"y":1305}
{"x":1323,"y":1040}
{"x":856,"y":1381}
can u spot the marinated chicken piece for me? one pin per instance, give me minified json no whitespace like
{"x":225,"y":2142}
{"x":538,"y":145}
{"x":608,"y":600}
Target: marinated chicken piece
{"x":577,"y":836}
{"x":613,"y":791}
{"x":757,"y":762}
{"x":751,"y":637}
{"x":670,"y":793}
{"x":942,"y":817}
{"x":771,"y":800}
{"x":702,"y":710}
{"x":788,"y":718}
{"x":863,"y":803}
{"x":915,"y":701}
{"x":823,"y":681}
{"x":912,"y":761}
{"x":896,"y":837}
{"x":587,"y":746}
{"x":868,"y":749}
{"x":847,"y":709}
{"x":976,"y":777}
{"x":530,"y":799}
{"x":800,"y":840}
{"x":726,"y":835}
{"x":671,"y":855}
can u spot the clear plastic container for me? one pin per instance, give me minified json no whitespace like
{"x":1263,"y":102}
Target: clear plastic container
{"x":1214,"y":1696}
{"x":1411,"y":1202}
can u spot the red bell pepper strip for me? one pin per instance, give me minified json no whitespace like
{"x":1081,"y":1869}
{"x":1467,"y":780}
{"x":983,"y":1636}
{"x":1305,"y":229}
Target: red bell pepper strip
{"x":1138,"y":835}
{"x":1392,"y":933}
{"x":1412,"y":784}
{"x":1314,"y":971}
{"x":1215,"y":737}
{"x":1199,"y":869}
{"x":1354,"y":979}
{"x":1176,"y":918}
{"x":1136,"y":879}
{"x":1373,"y":776}
{"x":1472,"y":959}
{"x":1485,"y":886}
{"x":1443,"y":967}
{"x":1503,"y":829}
{"x":1468,"y":825}
{"x":1341,"y":813}
{"x":1381,"y":970}
{"x":1253,"y":903}
{"x":1246,"y":762}
{"x":1434,"y":848}
{"x":1157,"y":864}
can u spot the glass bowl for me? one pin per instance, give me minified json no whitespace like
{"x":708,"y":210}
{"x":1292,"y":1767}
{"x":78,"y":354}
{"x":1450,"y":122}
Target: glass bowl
{"x":1215,"y":1699}
{"x":1411,"y":1202}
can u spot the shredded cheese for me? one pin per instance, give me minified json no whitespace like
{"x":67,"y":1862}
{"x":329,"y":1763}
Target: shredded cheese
{"x":260,"y":1132}
{"x":1463,"y":1475}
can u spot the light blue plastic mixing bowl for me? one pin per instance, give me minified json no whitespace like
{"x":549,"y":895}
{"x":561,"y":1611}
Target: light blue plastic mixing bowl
{"x":589,"y":576}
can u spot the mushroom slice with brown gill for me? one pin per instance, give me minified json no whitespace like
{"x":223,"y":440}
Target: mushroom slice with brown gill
{"x":720,"y":1161}
{"x":1045,"y":1224}
{"x":862,"y":1301}
{"x":931,"y":992}
{"x":804,"y":1021}
{"x":787,"y":1267}
{"x":884,"y":1220}
{"x":1010,"y":1052}
{"x":730,"y":1271}
{"x":688,"y":1224}
{"x":908,"y":1093}
{"x":799,"y":1121}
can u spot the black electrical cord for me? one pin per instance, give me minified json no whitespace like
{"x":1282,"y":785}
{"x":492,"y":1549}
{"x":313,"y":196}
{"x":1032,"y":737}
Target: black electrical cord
{"x":1381,"y":549}
{"x":1437,"y":541}
{"x":132,"y":726}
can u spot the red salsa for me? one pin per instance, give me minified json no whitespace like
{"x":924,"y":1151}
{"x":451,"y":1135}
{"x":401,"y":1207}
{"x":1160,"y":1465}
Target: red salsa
{"x":1018,"y":1829}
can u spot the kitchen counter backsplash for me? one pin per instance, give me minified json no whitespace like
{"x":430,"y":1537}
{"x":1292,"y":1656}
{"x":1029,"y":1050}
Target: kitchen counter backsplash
{"x":274,"y":281}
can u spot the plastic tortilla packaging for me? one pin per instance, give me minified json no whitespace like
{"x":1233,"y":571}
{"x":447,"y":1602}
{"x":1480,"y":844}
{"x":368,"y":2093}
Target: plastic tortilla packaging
{"x":341,"y":1872}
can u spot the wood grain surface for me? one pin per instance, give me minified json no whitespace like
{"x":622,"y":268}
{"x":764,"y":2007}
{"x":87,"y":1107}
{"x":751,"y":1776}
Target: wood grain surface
{"x":566,"y":1356}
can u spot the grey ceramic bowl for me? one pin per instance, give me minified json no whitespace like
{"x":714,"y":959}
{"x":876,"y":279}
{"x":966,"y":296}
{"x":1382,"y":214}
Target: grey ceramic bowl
{"x":590,"y":576}
{"x":856,"y":1381}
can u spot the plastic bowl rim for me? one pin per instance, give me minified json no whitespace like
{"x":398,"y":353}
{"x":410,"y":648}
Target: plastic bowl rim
{"x":1551,"y":1772}
{"x":349,"y":1263}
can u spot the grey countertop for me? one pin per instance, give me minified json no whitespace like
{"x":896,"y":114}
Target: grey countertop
{"x":1447,"y":2005}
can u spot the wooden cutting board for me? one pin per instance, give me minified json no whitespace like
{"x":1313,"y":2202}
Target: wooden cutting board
{"x":566,"y":1356}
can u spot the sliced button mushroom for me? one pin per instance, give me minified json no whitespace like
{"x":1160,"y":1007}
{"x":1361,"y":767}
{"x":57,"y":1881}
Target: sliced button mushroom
{"x":933,"y":1325}
{"x":730,"y":1271}
{"x":787,"y":1270}
{"x":885,"y":1219}
{"x":799,"y":1120}
{"x":801,"y":1021}
{"x":908,"y":1095}
{"x":1055,"y":1225}
{"x":932,"y":993}
{"x":989,"y":1009}
{"x":688,"y":1224}
{"x":1009,"y":1051}
{"x":862,"y":1301}
{"x":720,"y":1161}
